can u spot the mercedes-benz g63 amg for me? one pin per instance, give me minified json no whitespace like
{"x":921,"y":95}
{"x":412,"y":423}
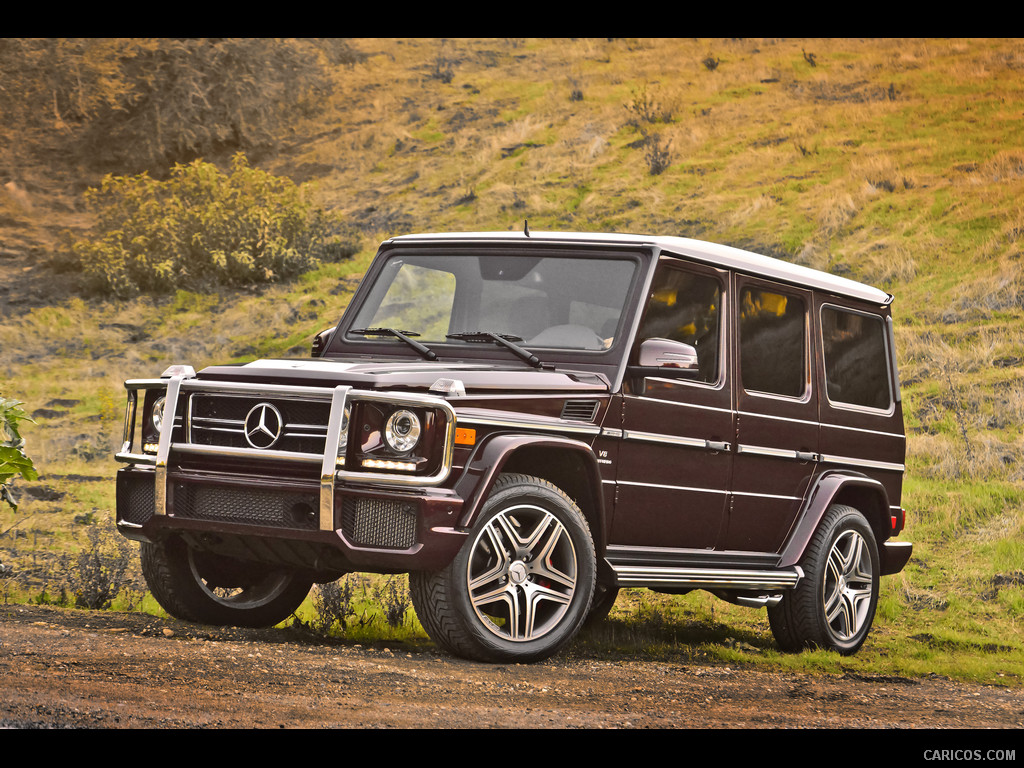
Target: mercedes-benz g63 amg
{"x":526,"y":423}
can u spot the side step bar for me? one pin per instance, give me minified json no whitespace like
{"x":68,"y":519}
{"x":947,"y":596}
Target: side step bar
{"x":706,"y":578}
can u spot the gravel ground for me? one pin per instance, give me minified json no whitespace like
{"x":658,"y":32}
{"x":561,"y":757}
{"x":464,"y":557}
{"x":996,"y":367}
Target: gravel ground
{"x":85,"y":669}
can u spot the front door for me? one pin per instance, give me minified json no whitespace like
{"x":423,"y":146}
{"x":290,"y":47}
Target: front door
{"x":675,"y":456}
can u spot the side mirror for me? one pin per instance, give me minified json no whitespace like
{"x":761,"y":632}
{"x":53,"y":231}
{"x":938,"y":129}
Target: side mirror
{"x":666,"y":359}
{"x":321,"y":340}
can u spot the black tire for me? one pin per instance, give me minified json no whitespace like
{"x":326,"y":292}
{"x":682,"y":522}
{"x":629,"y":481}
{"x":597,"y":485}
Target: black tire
{"x":209,"y":589}
{"x":834,"y":605}
{"x":521,"y":586}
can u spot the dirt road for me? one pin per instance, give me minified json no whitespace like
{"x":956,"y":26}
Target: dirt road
{"x":83,"y":669}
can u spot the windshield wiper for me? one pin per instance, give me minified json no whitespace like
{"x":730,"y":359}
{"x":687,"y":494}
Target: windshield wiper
{"x":503,"y":339}
{"x":428,"y":353}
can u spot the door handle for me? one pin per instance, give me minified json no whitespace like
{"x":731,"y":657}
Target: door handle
{"x":713,"y":445}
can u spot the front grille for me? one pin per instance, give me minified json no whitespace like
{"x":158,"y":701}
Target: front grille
{"x":277,"y":509}
{"x":136,"y":500}
{"x":219,"y":420}
{"x":379,"y":523}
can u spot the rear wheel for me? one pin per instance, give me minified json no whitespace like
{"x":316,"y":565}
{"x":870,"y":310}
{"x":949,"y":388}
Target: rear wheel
{"x":833,"y":607}
{"x":521,"y":586}
{"x":210,"y":589}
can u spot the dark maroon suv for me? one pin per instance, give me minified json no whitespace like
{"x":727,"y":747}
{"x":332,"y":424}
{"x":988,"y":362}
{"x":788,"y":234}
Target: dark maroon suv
{"x":526,"y":423}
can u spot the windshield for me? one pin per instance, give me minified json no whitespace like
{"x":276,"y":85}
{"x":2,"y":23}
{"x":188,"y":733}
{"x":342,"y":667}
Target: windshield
{"x":550,"y":301}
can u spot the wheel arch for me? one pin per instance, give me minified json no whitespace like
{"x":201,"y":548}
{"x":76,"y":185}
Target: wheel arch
{"x":863,"y":493}
{"x":569,"y":464}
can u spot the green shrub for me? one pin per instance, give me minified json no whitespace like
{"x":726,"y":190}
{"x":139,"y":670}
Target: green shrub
{"x":13,"y":461}
{"x":201,"y":228}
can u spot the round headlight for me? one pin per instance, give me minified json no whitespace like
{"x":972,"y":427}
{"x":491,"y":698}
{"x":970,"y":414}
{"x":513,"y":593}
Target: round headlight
{"x":158,"y":413}
{"x":402,"y":431}
{"x":343,"y":434}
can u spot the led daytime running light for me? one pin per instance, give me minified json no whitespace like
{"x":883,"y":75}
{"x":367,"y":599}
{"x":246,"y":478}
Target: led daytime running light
{"x":403,"y":466}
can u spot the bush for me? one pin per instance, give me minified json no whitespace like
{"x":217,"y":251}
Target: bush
{"x":148,"y":102}
{"x":13,"y":461}
{"x":645,"y":110}
{"x":656,"y":154}
{"x":201,"y":229}
{"x":394,"y":601}
{"x":333,"y":604}
{"x":101,"y":571}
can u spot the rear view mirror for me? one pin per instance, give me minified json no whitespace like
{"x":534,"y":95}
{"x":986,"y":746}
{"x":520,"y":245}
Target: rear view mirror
{"x":321,"y":340}
{"x":666,"y":359}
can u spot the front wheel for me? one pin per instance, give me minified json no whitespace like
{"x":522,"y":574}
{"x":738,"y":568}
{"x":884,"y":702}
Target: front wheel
{"x":834,"y":605}
{"x":521,"y":586}
{"x":211,"y":589}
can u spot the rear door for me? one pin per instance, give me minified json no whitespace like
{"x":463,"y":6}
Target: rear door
{"x":777,"y":414}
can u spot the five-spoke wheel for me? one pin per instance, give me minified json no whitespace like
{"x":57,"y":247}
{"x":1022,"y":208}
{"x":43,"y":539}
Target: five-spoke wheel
{"x":849,"y":586}
{"x":522,"y":573}
{"x":521,"y":586}
{"x":834,"y":605}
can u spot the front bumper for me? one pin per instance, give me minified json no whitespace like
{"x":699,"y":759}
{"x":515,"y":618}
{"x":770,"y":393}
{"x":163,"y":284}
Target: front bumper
{"x":265,"y":518}
{"x":300,"y":509}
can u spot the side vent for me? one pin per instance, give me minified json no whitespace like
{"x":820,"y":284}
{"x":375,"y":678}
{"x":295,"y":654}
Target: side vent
{"x":580,"y":410}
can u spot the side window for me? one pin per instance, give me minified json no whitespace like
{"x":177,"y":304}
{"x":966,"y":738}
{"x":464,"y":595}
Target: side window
{"x":856,"y":369}
{"x":687,"y":307}
{"x":773,"y":343}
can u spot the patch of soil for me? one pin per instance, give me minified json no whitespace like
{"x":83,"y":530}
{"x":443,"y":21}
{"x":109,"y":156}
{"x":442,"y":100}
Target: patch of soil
{"x":27,"y":283}
{"x":43,"y":493}
{"x":86,"y":669}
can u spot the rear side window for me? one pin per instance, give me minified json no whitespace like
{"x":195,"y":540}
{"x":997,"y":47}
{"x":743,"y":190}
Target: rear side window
{"x":856,"y":368}
{"x":773,"y":357}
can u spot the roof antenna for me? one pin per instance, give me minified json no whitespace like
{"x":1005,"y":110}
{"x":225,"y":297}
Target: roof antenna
{"x":526,"y":227}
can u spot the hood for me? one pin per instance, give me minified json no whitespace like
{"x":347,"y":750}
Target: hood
{"x":411,"y":375}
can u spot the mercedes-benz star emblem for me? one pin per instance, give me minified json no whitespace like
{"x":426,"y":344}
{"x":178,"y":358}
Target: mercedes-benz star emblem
{"x":263,"y":425}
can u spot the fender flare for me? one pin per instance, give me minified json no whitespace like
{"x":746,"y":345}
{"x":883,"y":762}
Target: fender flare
{"x":492,"y":456}
{"x":822,"y":495}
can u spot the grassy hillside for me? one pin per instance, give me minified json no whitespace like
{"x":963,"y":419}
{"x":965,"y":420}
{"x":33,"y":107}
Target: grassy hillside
{"x":897,"y":162}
